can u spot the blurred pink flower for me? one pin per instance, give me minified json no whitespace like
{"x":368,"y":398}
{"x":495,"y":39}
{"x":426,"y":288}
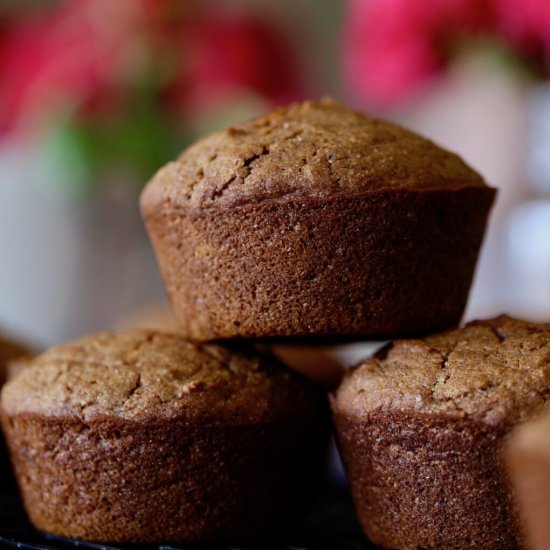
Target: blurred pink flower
{"x":526,"y":24}
{"x":92,"y":55}
{"x":74,"y":56}
{"x":392,"y":47}
{"x":221,"y":52}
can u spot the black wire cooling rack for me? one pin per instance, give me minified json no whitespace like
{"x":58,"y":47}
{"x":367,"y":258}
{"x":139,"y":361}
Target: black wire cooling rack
{"x":331,"y":526}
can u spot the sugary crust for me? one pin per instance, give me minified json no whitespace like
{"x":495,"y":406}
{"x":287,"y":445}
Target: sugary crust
{"x":495,"y":371}
{"x":423,"y":481}
{"x":315,"y":148}
{"x":143,"y":374}
{"x":375,"y":264}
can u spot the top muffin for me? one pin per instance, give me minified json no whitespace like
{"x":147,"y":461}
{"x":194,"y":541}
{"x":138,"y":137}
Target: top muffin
{"x":315,"y":220}
{"x":310,"y":148}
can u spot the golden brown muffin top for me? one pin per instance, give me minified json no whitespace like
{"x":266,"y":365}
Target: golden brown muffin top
{"x":315,"y":148}
{"x":144,"y":375}
{"x":493,"y":371}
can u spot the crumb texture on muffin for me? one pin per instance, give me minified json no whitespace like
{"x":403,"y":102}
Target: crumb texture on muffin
{"x":140,"y":374}
{"x":311,"y":148}
{"x":143,"y":437}
{"x":422,"y":428}
{"x":490,"y":371}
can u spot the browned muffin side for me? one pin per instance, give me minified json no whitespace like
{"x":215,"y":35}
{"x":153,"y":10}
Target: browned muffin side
{"x":421,"y":430}
{"x":316,"y":220}
{"x":528,"y":453}
{"x":144,"y":437}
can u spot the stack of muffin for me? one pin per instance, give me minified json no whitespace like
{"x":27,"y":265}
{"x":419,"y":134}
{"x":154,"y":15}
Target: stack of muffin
{"x":311,"y":224}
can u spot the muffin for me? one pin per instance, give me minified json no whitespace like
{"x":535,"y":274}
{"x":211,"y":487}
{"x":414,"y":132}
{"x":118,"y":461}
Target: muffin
{"x":144,"y":437}
{"x":315,"y":220}
{"x":422,"y":428}
{"x":528,"y":453}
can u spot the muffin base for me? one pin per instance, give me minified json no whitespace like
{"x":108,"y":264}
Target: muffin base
{"x":420,"y":481}
{"x":378,"y":264}
{"x":110,"y":480}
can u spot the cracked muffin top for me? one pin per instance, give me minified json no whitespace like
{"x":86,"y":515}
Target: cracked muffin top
{"x":143,"y":374}
{"x":315,"y":148}
{"x":492,"y":371}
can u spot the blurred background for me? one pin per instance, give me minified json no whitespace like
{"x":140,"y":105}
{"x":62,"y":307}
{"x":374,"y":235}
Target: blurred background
{"x":95,"y":95}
